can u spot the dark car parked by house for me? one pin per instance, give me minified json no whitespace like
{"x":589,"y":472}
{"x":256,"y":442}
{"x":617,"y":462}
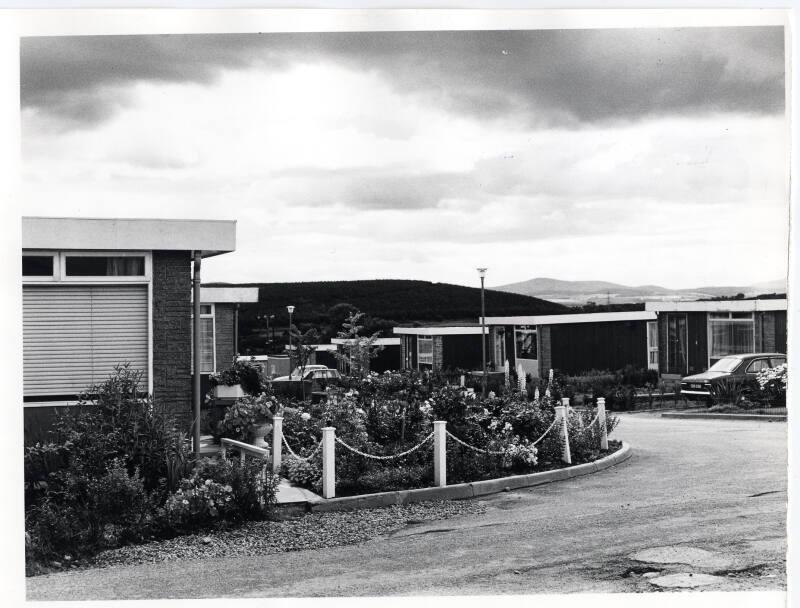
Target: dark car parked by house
{"x":737,"y":367}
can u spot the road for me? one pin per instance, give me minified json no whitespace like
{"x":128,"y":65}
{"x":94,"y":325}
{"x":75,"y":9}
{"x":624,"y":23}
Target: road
{"x":714,"y":485}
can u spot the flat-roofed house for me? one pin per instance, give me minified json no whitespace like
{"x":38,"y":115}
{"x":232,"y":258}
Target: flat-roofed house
{"x":98,"y":292}
{"x":692,"y":336}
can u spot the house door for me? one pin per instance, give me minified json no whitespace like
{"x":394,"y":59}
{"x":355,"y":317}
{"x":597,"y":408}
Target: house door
{"x":677,"y":339}
{"x":652,"y":345}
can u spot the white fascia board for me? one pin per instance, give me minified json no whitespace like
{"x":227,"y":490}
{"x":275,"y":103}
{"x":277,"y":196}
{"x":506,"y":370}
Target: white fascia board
{"x":211,"y":237}
{"x":718,"y":306}
{"x":378,"y":342}
{"x":228,"y":295}
{"x":438,"y":331}
{"x":590,"y":317}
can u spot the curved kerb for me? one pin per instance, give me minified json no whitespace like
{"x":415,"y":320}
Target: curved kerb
{"x":469,"y":490}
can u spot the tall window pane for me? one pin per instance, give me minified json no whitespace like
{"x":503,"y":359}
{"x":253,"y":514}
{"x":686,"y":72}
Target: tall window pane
{"x":206,"y":345}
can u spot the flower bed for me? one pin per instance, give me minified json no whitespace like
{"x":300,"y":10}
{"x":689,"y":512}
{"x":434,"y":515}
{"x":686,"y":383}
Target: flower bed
{"x":391,"y":413}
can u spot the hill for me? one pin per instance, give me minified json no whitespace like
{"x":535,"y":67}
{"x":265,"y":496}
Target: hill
{"x":580,"y":292}
{"x":387,"y":303}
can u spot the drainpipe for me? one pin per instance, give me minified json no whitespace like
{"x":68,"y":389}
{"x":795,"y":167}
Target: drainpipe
{"x":196,"y":346}
{"x":236,"y":330}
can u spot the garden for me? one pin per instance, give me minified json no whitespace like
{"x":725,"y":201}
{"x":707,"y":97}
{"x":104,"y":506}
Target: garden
{"x":118,"y":471}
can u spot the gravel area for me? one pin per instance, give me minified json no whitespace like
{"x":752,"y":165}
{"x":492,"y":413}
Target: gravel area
{"x":311,"y":531}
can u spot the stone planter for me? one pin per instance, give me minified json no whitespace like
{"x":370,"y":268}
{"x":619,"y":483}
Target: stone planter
{"x":260,"y":434}
{"x":228,"y":392}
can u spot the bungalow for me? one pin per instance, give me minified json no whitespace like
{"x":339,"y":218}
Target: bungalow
{"x":219,"y":327}
{"x":440,"y":348}
{"x":571,"y":343}
{"x":99,"y":292}
{"x":388,"y":357}
{"x":689,"y":337}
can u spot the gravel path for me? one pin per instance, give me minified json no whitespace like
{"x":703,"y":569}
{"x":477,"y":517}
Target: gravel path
{"x":312,"y":531}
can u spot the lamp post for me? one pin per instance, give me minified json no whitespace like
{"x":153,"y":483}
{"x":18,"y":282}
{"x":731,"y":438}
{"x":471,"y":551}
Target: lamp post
{"x":291,"y":310}
{"x":482,"y":274}
{"x":266,"y":318}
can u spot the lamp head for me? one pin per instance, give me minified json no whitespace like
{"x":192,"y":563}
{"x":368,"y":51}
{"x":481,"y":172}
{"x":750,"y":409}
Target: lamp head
{"x":290,"y":309}
{"x":482,"y":272}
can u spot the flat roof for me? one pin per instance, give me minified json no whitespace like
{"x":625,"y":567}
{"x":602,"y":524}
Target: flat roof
{"x":589,"y":317}
{"x":225,"y":295}
{"x":211,"y":237}
{"x":718,"y":306}
{"x":378,"y":342}
{"x":439,"y":331}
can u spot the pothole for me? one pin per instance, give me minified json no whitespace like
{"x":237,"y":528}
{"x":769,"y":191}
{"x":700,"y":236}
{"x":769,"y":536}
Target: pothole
{"x":686,"y":580}
{"x":689,"y":556}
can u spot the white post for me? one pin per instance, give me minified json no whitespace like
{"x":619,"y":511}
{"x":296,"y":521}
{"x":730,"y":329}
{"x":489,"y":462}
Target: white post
{"x":328,"y":462}
{"x":277,"y":443}
{"x":242,"y":457}
{"x":561,"y":417}
{"x":565,"y":403}
{"x":507,"y":370}
{"x":520,"y":378}
{"x":601,"y":420}
{"x":462,"y":379}
{"x":439,"y":453}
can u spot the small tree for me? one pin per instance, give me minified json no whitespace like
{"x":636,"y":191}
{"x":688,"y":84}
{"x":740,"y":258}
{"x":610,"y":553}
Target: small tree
{"x":358,"y":349}
{"x":304,"y":344}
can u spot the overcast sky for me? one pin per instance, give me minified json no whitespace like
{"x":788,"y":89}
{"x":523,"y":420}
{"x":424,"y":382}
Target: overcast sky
{"x":642,"y":156}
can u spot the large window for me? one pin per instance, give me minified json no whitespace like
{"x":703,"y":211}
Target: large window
{"x":730,"y":333}
{"x":677,"y":338}
{"x":652,"y":345}
{"x":104,"y":266}
{"x":527,"y":347}
{"x":424,"y":350}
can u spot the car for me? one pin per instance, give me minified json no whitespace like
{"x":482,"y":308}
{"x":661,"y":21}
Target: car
{"x":743,"y":367}
{"x":311,"y":372}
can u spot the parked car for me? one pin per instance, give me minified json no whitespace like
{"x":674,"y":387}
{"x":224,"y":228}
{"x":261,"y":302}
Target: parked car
{"x":311,"y":372}
{"x":741,"y":367}
{"x":313,"y":379}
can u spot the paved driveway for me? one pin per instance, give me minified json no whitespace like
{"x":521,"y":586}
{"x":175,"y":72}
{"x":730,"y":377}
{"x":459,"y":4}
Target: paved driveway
{"x":714,"y":485}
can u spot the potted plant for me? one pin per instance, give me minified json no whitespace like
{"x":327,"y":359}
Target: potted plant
{"x":232,"y":383}
{"x":249,"y":419}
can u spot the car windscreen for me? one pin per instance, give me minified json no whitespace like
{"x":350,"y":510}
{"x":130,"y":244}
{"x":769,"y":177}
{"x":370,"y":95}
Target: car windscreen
{"x":726,"y":364}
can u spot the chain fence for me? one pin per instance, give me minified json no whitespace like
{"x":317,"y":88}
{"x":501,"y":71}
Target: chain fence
{"x":390,"y":457}
{"x":296,"y":455}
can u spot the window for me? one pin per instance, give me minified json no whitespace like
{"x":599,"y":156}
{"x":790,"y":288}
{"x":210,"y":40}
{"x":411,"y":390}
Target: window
{"x":425,"y":350}
{"x":526,"y":342}
{"x":207,"y":342}
{"x":37,"y":266}
{"x":730,"y":334}
{"x":677,"y":338}
{"x":408,"y":361}
{"x":776,"y":361}
{"x":652,"y":345}
{"x":757,"y":366}
{"x":104,"y":266}
{"x":500,"y":346}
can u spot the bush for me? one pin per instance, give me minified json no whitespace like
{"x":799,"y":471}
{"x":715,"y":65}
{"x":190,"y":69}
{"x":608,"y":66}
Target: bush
{"x":772,"y":385}
{"x":247,"y":373}
{"x":244,"y":415}
{"x":305,"y":473}
{"x":222,"y":490}
{"x":390,"y":477}
{"x":728,"y":390}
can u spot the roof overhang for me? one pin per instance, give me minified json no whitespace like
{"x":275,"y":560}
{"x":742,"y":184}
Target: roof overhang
{"x":228,"y":295}
{"x":438,"y":331}
{"x":591,"y":317}
{"x":718,"y":306}
{"x":378,"y":342}
{"x":210,"y":237}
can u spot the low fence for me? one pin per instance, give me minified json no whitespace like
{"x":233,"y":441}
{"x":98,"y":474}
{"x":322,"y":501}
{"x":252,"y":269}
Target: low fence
{"x":439,"y":436}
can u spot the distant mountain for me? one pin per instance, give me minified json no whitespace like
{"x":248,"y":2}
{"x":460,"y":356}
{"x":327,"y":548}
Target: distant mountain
{"x":579,"y":292}
{"x":387,"y":303}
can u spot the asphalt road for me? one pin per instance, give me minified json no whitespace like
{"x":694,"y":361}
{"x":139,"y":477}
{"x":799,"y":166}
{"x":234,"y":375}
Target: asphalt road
{"x":715,"y":485}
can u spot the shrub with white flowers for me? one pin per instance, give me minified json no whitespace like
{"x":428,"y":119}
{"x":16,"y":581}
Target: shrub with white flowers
{"x":772,"y":384}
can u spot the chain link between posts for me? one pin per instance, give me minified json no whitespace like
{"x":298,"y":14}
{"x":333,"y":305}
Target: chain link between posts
{"x":390,"y":457}
{"x":304,"y":458}
{"x":499,"y":452}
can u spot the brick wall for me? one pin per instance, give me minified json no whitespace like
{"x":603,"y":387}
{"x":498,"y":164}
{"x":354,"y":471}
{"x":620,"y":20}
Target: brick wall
{"x":224,"y":315}
{"x":172,"y":333}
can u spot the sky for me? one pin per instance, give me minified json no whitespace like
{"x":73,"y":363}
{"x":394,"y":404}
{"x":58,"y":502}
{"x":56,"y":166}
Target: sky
{"x":641,"y":156}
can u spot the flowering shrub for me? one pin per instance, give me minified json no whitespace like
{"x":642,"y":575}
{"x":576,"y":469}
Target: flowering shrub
{"x":772,"y":384}
{"x":306,"y":473}
{"x":199,"y":501}
{"x":520,"y":453}
{"x":242,"y":417}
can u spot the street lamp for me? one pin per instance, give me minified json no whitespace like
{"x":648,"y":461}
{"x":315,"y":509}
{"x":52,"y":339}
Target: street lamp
{"x":267,"y":318}
{"x":291,"y":310}
{"x":482,"y":274}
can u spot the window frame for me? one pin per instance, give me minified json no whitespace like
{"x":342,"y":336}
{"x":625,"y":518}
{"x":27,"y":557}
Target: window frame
{"x":209,"y":315}
{"x":420,"y":362}
{"x":42,"y":279}
{"x":727,"y":317}
{"x":651,"y":328}
{"x":748,"y":370}
{"x":523,"y":329}
{"x":62,"y":272}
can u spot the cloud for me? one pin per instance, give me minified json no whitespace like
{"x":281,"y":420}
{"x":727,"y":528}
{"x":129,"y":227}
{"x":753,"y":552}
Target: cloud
{"x":539,"y":77}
